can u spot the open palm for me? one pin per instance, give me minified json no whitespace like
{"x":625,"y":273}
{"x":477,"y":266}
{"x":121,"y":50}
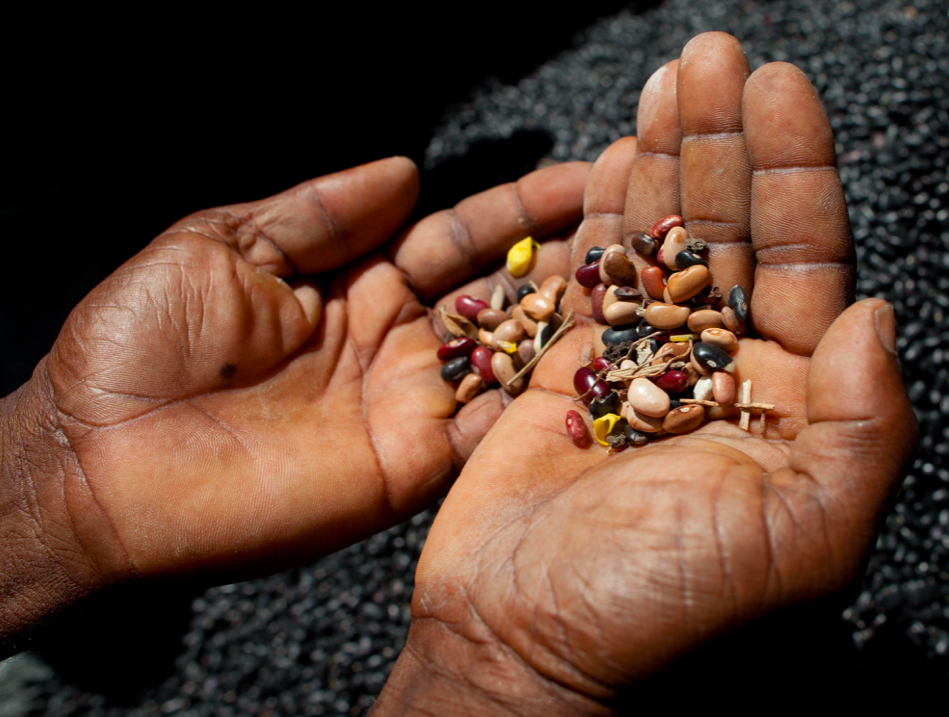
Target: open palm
{"x":567,"y":574}
{"x":221,"y":421}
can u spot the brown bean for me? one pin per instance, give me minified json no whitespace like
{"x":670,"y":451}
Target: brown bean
{"x":530,"y":326}
{"x":705,"y":319}
{"x":553,"y":287}
{"x":490,"y":319}
{"x":666,"y":316}
{"x":723,"y":387}
{"x":487,"y":338}
{"x":683,"y":419}
{"x":604,"y":277}
{"x":511,"y":330}
{"x":619,"y":268}
{"x":723,"y":338}
{"x":670,"y":348}
{"x":469,"y":387}
{"x":538,"y":307}
{"x":683,"y":285}
{"x":640,"y":421}
{"x":525,"y":349}
{"x":504,"y":371}
{"x":697,"y":367}
{"x":664,"y":225}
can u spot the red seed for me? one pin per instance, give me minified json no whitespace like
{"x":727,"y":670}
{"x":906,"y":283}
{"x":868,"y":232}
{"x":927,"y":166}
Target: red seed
{"x":599,"y":292}
{"x":600,"y":363}
{"x":662,"y":227}
{"x":673,"y":382}
{"x":468,"y":306}
{"x":588,"y":275}
{"x":462,"y":346}
{"x":586,"y":382}
{"x":481,"y":360}
{"x":652,"y":281}
{"x":577,"y":430}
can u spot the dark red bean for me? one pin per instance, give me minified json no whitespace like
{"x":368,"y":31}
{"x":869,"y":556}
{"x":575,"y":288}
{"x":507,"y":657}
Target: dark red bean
{"x":596,"y":298}
{"x":462,"y":346}
{"x":600,"y":363}
{"x":662,"y":227}
{"x":586,"y":382}
{"x":577,"y":430}
{"x":468,"y":306}
{"x":588,"y":275}
{"x":481,"y":360}
{"x":673,"y":381}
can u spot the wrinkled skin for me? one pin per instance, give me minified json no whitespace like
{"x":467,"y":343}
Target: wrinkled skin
{"x":219,"y":421}
{"x":555,"y":576}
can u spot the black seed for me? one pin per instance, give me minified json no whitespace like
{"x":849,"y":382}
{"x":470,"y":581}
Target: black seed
{"x":644,"y":328}
{"x":710,"y":357}
{"x":607,"y":404}
{"x":545,"y":334}
{"x":685,"y":259}
{"x":738,"y":302}
{"x":636,"y":438}
{"x":525,"y":290}
{"x":619,"y":334}
{"x":456,"y":369}
{"x":594,"y":253}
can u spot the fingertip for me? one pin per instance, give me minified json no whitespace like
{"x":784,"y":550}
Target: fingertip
{"x":310,"y":301}
{"x":709,"y":42}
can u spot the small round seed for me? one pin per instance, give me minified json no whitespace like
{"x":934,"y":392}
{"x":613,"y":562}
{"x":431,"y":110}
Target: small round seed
{"x":588,"y":275}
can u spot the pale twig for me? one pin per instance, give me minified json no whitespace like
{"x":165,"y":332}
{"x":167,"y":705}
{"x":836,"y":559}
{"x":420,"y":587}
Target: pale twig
{"x":567,"y":323}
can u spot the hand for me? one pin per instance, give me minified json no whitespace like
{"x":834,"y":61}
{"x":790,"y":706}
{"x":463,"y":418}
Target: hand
{"x":200,"y":417}
{"x":555,"y":576}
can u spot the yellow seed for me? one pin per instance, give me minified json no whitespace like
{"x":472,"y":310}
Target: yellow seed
{"x":684,"y":337}
{"x":602,"y":427}
{"x":521,"y":256}
{"x":509,"y":346}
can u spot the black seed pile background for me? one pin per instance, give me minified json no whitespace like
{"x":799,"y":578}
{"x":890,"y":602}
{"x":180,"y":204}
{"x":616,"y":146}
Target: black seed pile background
{"x":321,"y":640}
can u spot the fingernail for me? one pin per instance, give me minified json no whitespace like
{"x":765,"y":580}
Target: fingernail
{"x":886,"y":327}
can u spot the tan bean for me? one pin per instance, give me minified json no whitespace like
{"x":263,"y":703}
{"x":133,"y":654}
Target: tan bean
{"x":469,"y":387}
{"x":487,"y":338}
{"x":666,"y":316}
{"x":640,"y":421}
{"x":511,"y":330}
{"x":732,"y":322}
{"x":723,"y":387}
{"x":705,"y":319}
{"x":538,"y":307}
{"x":723,"y":338}
{"x":498,"y":298}
{"x":530,"y":326}
{"x":525,"y":349}
{"x":674,"y":243}
{"x":504,"y":371}
{"x":553,"y":287}
{"x":620,"y":313}
{"x":647,"y":398}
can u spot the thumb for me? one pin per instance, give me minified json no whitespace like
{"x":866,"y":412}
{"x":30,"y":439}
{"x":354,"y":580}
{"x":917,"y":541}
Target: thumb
{"x":862,"y":431}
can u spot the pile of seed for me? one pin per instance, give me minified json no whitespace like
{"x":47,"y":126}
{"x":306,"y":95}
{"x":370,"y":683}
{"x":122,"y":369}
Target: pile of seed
{"x":667,"y":356}
{"x":499,"y":344}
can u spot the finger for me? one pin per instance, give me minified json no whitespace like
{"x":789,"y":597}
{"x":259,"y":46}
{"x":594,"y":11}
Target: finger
{"x":862,"y":431}
{"x":803,"y":246}
{"x":603,"y":202}
{"x":653,"y":189}
{"x":715,"y":175}
{"x":322,"y":223}
{"x":450,"y":247}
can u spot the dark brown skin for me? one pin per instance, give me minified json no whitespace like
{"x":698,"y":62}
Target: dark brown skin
{"x":555,"y":577}
{"x":200,"y":420}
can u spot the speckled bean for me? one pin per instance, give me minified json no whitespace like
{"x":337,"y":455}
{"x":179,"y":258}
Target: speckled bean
{"x":661,"y":228}
{"x":577,"y":430}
